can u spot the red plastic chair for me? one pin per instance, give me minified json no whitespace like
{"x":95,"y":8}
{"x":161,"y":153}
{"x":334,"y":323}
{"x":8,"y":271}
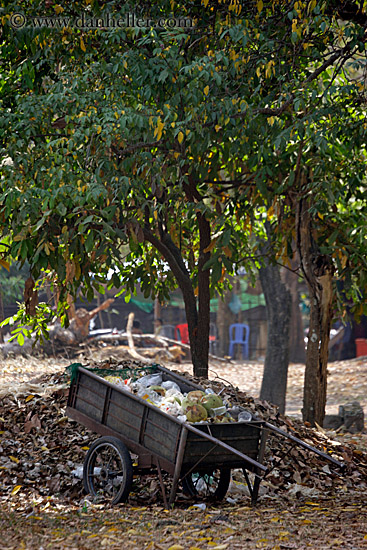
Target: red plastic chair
{"x":182,"y":333}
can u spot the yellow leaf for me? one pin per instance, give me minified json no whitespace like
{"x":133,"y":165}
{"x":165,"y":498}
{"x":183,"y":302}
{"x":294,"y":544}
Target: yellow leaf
{"x":99,"y":129}
{"x":217,"y":128}
{"x":176,"y":547}
{"x":270,"y":213}
{"x":260,"y":5}
{"x":180,"y":137}
{"x":206,"y":90}
{"x":210,"y":247}
{"x":19,"y":237}
{"x":85,"y":448}
{"x":159,"y":129}
{"x":58,"y":9}
{"x":16,"y":489}
{"x":82,"y":45}
{"x":5,"y":264}
{"x":220,"y":547}
{"x":306,"y":521}
{"x":77,"y":271}
{"x":16,"y":460}
{"x":155,"y":215}
{"x":205,"y":2}
{"x":29,"y":398}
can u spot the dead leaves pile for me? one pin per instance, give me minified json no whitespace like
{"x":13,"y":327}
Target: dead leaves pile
{"x":294,"y":469}
{"x":39,"y":446}
{"x":42,"y":501}
{"x":40,"y":450}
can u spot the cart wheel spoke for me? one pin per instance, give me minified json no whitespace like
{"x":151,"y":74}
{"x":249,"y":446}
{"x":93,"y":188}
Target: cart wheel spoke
{"x":108,"y":470}
{"x":212,"y":484}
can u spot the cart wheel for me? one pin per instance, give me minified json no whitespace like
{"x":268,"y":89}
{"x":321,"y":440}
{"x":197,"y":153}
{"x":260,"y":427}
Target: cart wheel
{"x":108,"y":470}
{"x":212,"y":484}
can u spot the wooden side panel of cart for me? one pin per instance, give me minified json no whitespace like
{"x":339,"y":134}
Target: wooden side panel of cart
{"x":151,"y":433}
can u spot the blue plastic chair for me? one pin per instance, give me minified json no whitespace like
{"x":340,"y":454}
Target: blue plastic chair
{"x":241,"y":336}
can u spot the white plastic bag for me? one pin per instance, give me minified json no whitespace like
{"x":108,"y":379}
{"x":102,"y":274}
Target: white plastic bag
{"x":150,"y":380}
{"x":171,"y":385}
{"x":171,"y":407}
{"x":150,"y":395}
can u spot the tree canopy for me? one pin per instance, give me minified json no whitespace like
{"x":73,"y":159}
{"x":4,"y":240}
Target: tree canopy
{"x":179,"y":141}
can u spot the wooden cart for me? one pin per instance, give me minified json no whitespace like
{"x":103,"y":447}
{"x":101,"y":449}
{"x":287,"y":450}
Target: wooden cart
{"x":201,"y":455}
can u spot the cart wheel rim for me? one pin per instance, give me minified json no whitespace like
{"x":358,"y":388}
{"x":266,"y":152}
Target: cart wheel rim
{"x":108,"y":471}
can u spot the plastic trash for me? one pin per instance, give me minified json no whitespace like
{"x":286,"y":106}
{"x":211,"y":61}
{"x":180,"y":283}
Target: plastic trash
{"x":120,"y":382}
{"x":174,"y":395}
{"x":201,"y":506}
{"x":245,"y":416}
{"x":171,"y":407}
{"x":208,"y":391}
{"x":171,"y":385}
{"x":149,"y":380}
{"x":218,"y":411}
{"x":78,"y":472}
{"x":149,"y":395}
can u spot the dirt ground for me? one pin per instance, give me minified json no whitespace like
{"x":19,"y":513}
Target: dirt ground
{"x":287,"y":521}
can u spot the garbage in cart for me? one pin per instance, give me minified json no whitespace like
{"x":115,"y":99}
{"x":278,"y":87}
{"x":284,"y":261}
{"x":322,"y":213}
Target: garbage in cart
{"x":195,"y":406}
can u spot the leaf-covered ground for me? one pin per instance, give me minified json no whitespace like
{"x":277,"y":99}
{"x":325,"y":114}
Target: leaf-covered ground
{"x":303,"y":504}
{"x":275,"y":524}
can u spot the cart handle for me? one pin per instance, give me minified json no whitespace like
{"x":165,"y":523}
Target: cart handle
{"x":304,"y":445}
{"x":228,"y":447}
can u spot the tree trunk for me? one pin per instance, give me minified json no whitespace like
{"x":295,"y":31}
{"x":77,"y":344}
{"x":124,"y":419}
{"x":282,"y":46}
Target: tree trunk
{"x":318,"y":272}
{"x":224,"y":319}
{"x":198,"y":321}
{"x":278,"y":308}
{"x":296,"y":336}
{"x":1,"y":314}
{"x":201,"y":332}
